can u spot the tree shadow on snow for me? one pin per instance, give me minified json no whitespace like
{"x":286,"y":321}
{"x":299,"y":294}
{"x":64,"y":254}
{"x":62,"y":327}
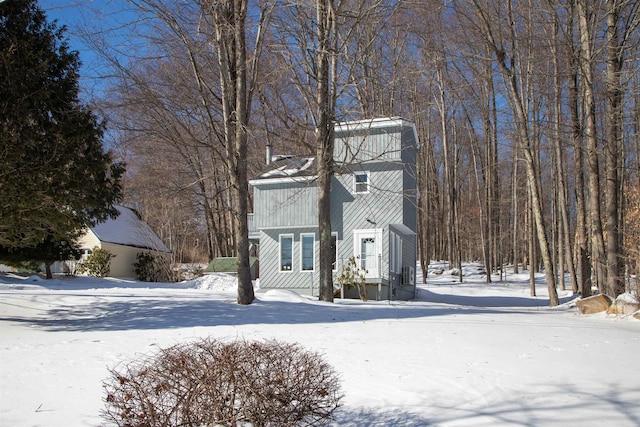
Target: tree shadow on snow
{"x":91,"y":311}
{"x":543,"y":405}
{"x":122,"y":312}
{"x":366,"y":417}
{"x":488,"y":301}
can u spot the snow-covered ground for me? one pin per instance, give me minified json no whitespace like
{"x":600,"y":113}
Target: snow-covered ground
{"x":462,"y":354}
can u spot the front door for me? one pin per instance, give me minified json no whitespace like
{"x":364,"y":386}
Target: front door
{"x":367,"y":248}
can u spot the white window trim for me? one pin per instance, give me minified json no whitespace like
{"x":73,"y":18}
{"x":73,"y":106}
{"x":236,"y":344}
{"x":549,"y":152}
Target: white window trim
{"x":302,"y":236}
{"x":280,"y":238}
{"x":355,"y":182}
{"x":335,"y":234}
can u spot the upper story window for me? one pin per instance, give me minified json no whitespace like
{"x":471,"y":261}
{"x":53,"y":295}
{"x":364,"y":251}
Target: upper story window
{"x":361,"y":182}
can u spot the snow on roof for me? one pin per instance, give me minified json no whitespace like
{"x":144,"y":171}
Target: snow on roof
{"x":296,"y":169}
{"x":129,"y":230}
{"x":292,"y":168}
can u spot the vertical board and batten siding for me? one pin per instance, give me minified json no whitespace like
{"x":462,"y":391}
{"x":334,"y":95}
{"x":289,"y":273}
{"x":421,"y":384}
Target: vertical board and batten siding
{"x":364,"y":144}
{"x":410,"y":178}
{"x":285,"y":205}
{"x":409,"y":257}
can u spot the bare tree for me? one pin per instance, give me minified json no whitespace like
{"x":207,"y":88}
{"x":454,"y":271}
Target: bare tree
{"x":587,"y":62}
{"x":313,"y":38}
{"x":505,"y":52}
{"x":238,"y":74}
{"x":214,"y":116}
{"x":325,"y":114}
{"x":622,"y":18}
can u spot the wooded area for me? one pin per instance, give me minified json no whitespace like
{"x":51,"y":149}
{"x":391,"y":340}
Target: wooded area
{"x":528,"y":113}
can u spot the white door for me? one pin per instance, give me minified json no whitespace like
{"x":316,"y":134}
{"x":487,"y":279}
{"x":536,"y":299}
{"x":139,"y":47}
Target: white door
{"x":367,"y":248}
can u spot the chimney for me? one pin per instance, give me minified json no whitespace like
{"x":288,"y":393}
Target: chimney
{"x":269,"y":154}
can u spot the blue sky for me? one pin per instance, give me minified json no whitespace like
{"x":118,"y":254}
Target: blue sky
{"x":68,"y":13}
{"x":78,"y":15}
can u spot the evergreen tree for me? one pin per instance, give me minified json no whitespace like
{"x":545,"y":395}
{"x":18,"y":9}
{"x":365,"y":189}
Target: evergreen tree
{"x":55,"y":177}
{"x":46,"y":252}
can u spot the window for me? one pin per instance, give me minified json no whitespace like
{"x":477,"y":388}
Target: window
{"x":334,"y":251}
{"x":361,"y":182}
{"x":395,"y":241}
{"x":286,"y":252}
{"x":367,"y":252}
{"x":308,"y":252}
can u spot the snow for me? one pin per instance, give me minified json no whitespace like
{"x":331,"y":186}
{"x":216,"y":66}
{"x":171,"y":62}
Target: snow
{"x":461,"y":354}
{"x":129,"y":230}
{"x":291,"y":169}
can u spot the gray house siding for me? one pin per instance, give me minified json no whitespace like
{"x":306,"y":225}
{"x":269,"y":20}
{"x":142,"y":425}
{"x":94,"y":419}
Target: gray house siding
{"x":382,"y":155}
{"x":410,"y":179}
{"x":285,"y":205}
{"x":361,"y":144}
{"x":383,"y":204}
{"x":303,"y":282}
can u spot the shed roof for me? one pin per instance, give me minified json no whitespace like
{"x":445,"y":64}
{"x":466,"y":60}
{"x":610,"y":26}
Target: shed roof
{"x":226,"y":265}
{"x":128,"y":229}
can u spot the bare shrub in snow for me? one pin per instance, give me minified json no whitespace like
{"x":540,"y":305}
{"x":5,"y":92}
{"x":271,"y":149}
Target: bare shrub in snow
{"x":352,"y":275}
{"x":210,"y":382}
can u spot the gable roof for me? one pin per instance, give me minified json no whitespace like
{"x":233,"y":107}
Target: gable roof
{"x":128,"y":229}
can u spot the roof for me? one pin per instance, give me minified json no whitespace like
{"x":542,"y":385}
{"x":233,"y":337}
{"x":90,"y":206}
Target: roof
{"x":128,"y":229}
{"x":371,"y":123}
{"x":226,"y":265}
{"x":303,"y":169}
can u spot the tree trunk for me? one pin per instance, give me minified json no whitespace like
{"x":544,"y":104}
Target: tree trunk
{"x":524,"y":141}
{"x":583,"y":263}
{"x":515,"y":203}
{"x":533,"y":262}
{"x":564,"y":249}
{"x":230,"y":35}
{"x":586,"y":66}
{"x":47,"y":268}
{"x":615,"y":282}
{"x":324,"y":144}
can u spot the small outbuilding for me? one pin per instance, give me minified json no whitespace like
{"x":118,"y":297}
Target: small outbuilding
{"x":125,"y":237}
{"x":229,"y":265}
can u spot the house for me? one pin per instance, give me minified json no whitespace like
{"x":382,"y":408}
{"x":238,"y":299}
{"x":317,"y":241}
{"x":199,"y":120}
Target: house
{"x":125,"y":237}
{"x":373,"y":212}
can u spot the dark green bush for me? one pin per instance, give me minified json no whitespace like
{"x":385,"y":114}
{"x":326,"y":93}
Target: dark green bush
{"x":98,"y":264}
{"x":147,"y":267}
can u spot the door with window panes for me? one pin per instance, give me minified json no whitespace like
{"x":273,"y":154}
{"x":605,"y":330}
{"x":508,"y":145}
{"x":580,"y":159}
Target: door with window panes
{"x":367,"y":246}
